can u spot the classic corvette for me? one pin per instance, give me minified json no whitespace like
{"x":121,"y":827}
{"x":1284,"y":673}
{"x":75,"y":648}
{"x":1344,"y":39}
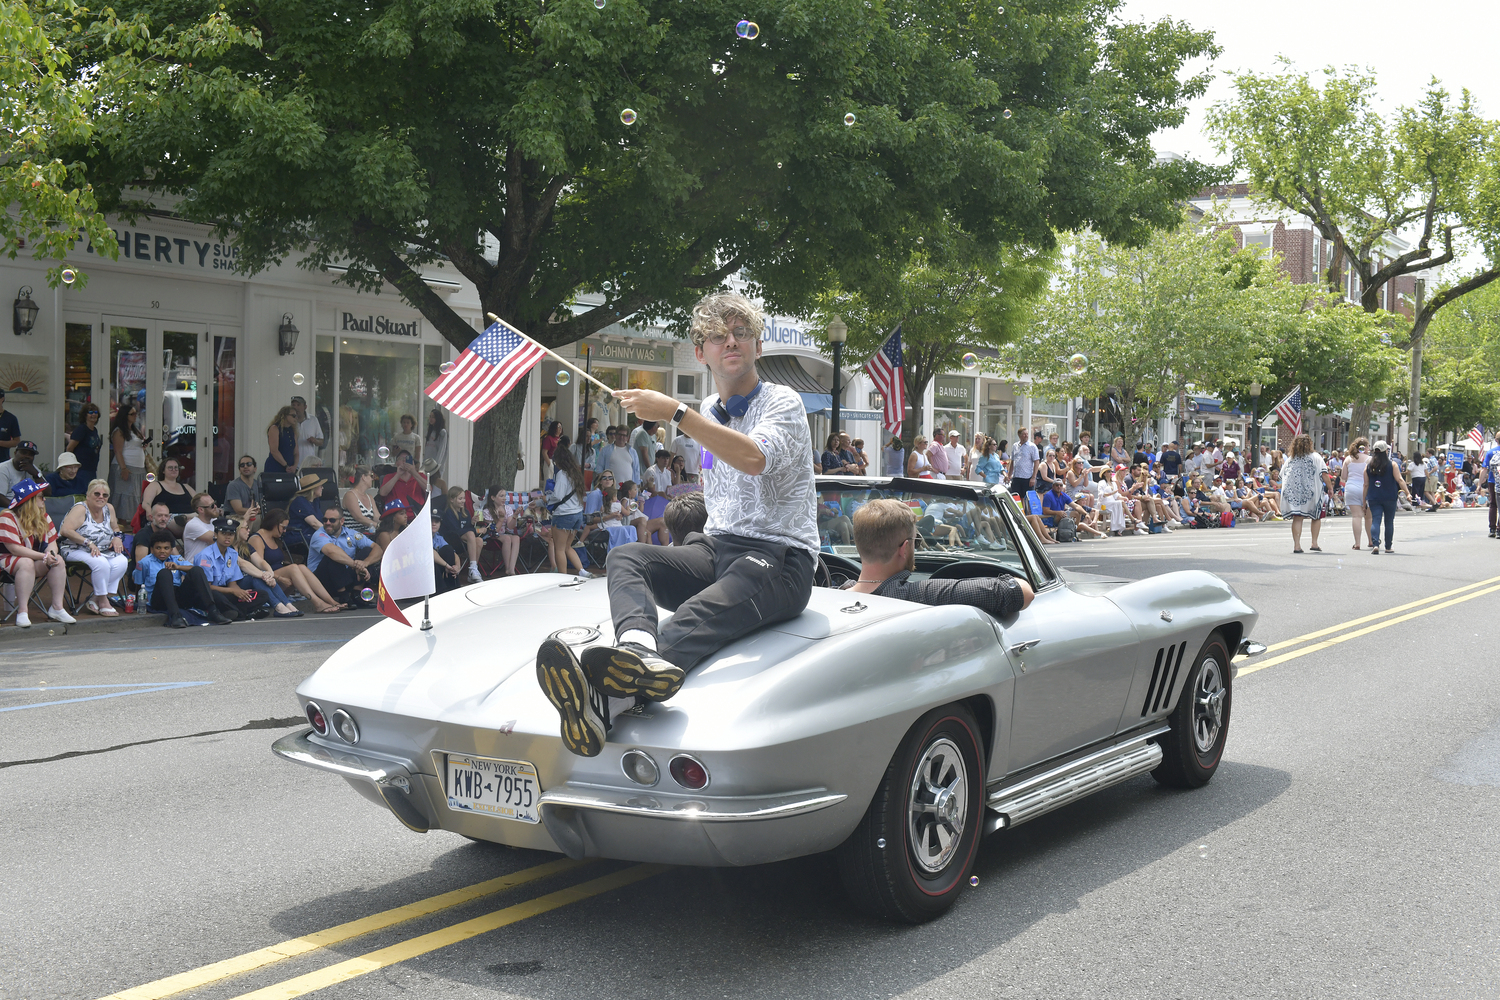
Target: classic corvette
{"x":893,"y":734}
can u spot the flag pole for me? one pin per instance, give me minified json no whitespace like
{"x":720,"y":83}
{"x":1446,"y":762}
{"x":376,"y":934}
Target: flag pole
{"x":558,"y":357}
{"x":426,"y":625}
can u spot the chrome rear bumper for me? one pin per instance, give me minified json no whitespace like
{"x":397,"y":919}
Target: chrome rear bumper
{"x":394,"y":781}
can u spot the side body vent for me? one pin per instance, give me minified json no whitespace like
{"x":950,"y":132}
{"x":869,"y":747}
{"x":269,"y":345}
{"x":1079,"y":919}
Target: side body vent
{"x":1163,"y":678}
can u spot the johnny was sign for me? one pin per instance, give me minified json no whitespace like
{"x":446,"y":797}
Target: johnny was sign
{"x":174,"y":250}
{"x":380,"y":324}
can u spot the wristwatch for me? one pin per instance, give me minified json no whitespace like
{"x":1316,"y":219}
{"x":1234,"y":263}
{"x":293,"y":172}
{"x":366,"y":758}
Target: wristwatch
{"x":682,"y":410}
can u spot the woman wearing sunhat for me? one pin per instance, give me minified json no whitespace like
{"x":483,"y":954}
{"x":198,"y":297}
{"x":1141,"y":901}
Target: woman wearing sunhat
{"x":28,"y":550}
{"x":303,"y":517}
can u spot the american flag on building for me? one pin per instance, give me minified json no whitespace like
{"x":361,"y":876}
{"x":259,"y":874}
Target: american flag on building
{"x":1477,"y":435}
{"x":487,"y":369}
{"x":885,"y":371}
{"x":1289,"y":412}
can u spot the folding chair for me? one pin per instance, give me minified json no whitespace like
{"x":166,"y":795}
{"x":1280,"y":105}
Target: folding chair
{"x":12,"y":607}
{"x":1033,"y":503}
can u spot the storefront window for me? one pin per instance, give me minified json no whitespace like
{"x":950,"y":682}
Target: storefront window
{"x":78,"y":376}
{"x":1049,"y":417}
{"x":997,"y":415}
{"x":127,"y":366}
{"x":644,"y":379}
{"x":225,"y":453}
{"x":336,"y":443}
{"x":378,"y":383}
{"x":179,"y":403}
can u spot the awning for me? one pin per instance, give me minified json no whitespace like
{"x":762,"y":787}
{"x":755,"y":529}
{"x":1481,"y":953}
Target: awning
{"x":844,"y":414}
{"x":784,"y":370}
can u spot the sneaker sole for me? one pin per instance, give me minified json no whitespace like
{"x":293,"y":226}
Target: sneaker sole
{"x":563,"y":682}
{"x":623,"y":674}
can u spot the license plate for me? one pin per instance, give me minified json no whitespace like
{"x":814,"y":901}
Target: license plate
{"x":505,"y":788}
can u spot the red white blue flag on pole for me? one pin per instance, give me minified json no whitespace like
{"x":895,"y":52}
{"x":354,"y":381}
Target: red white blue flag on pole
{"x":487,"y":369}
{"x":1477,"y":435}
{"x":885,"y":371}
{"x":1289,"y":412}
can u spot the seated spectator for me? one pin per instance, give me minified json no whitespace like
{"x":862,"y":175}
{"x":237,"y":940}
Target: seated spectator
{"x":361,"y":507}
{"x":659,"y":476}
{"x":1058,"y":505}
{"x":444,"y":556}
{"x":220,"y":563}
{"x":685,"y":515}
{"x":341,"y":558}
{"x":405,"y":484}
{"x":303,"y":519}
{"x":198,"y":530}
{"x":886,"y":537}
{"x":161,"y":520}
{"x":260,"y":578}
{"x":91,"y":535}
{"x":631,"y":513}
{"x":172,"y":583}
{"x":243,"y":497}
{"x":458,"y":529}
{"x":266,"y":552}
{"x":395,"y":517}
{"x":69,"y":480}
{"x":28,"y":551}
{"x":833,"y":525}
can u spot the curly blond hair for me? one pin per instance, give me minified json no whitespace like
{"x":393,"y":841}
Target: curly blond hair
{"x":711,"y":314}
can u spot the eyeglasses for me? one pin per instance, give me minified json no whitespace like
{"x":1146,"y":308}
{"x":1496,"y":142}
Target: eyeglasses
{"x":100,"y":493}
{"x":741,"y":334}
{"x":247,"y":465}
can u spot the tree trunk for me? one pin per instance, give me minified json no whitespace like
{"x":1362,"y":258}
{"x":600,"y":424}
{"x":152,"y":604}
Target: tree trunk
{"x":497,"y":435}
{"x":1359,"y":420}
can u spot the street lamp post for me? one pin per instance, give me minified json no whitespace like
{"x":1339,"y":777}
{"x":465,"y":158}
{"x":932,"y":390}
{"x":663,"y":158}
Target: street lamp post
{"x":1254,"y":427}
{"x":838,"y":332}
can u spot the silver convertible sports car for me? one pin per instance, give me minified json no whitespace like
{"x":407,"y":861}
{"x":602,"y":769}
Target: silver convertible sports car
{"x":894,"y":735}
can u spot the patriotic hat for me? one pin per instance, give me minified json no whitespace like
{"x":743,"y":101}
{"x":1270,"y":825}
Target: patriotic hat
{"x":25,"y":489}
{"x":392,"y":506}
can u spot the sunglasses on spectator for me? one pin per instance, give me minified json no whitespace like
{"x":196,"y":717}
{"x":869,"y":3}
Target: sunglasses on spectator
{"x":207,"y":506}
{"x":247,"y":465}
{"x":100,"y":493}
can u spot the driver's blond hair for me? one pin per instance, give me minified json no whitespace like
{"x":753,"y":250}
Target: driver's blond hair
{"x":711,"y":315}
{"x":880,"y":527}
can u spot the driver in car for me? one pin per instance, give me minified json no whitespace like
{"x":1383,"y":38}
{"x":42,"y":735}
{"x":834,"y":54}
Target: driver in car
{"x":752,"y":565}
{"x":885,"y":534}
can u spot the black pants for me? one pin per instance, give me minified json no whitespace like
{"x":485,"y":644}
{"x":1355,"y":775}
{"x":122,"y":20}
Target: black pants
{"x":341,"y":582}
{"x":719,"y":587}
{"x":192,"y":592}
{"x":1494,"y":497}
{"x":1418,"y":492}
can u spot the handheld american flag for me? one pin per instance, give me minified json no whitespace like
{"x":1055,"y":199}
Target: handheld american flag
{"x":487,"y":369}
{"x":1289,"y":412}
{"x":885,"y":371}
{"x":1477,"y":435}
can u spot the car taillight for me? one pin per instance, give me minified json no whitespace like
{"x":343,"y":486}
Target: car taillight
{"x":639,"y":767}
{"x":343,"y":724}
{"x":688,"y":772}
{"x":316,"y":719}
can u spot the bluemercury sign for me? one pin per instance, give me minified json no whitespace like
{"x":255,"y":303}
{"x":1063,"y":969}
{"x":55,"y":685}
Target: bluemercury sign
{"x":778,"y":332}
{"x":380,"y":324}
{"x":604,"y":351}
{"x":174,"y":250}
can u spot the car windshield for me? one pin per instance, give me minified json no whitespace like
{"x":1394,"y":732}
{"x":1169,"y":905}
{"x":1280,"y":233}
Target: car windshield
{"x":949,"y":529}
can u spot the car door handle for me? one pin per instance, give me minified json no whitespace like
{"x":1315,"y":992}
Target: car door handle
{"x":1022,"y":647}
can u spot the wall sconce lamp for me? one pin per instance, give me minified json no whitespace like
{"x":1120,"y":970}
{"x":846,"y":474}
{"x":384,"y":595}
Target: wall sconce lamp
{"x":286,"y":336}
{"x":26,"y":310}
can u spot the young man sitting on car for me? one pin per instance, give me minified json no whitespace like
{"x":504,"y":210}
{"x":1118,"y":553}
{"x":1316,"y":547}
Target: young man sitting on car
{"x":885,"y":533}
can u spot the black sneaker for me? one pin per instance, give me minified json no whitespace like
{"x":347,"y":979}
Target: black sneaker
{"x":176,"y":621}
{"x":218,"y":617}
{"x":631,"y":669}
{"x":578,"y":704}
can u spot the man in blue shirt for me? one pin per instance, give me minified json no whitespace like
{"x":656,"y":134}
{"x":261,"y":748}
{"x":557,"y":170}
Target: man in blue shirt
{"x":10,"y":430}
{"x":341,"y":558}
{"x":171,"y":583}
{"x":1023,"y":462}
{"x":1491,"y":459}
{"x":220,"y":564}
{"x":1171,"y":460}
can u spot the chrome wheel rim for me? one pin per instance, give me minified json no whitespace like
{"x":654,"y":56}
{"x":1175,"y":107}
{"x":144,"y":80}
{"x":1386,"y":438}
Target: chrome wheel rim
{"x":1209,"y":696}
{"x":937,"y":805}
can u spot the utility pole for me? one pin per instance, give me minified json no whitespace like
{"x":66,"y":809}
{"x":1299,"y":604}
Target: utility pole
{"x":1413,"y":417}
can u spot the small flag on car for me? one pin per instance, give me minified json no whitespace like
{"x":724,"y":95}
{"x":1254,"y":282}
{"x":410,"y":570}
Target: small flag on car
{"x":406,"y":566}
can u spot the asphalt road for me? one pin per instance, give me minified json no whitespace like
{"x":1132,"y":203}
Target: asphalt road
{"x":1346,"y":848}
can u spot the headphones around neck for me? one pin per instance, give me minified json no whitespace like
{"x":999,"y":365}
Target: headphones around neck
{"x":735,"y":406}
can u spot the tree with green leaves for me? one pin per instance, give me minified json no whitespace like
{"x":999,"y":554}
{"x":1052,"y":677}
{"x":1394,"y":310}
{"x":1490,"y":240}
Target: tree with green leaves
{"x":1185,"y":307}
{"x":1461,"y":366}
{"x":1324,"y":153}
{"x":644,"y":151}
{"x":952,"y":294}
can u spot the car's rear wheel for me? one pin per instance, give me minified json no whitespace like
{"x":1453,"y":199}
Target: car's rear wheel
{"x":910,"y":856}
{"x":1191,"y":751}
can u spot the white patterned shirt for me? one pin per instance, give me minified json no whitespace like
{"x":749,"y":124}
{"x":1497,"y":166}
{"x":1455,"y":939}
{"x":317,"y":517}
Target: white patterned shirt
{"x":779,"y":505}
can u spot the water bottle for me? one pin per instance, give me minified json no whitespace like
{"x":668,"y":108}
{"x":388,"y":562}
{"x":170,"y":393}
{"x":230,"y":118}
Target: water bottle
{"x":140,"y":602}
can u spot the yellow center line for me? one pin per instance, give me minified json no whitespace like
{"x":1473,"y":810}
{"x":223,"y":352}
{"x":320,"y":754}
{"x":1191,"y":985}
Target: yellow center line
{"x":1379,"y":614}
{"x":424,"y":943}
{"x":1359,"y":632}
{"x":204,"y":975}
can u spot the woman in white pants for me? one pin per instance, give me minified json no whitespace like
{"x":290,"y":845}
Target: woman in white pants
{"x":91,"y":535}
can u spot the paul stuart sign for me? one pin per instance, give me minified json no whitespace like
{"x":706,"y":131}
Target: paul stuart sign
{"x":380,"y":324}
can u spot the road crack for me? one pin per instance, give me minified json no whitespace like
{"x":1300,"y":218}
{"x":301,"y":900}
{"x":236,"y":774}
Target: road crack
{"x":286,"y":723}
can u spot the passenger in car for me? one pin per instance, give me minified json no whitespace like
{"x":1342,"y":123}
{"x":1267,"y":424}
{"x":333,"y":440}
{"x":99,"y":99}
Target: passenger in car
{"x":885,"y":534}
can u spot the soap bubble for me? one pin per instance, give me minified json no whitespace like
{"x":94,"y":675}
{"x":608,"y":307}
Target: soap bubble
{"x":1084,"y":105}
{"x":747,"y":29}
{"x":778,"y":164}
{"x":598,"y":4}
{"x":919,"y":240}
{"x":563,"y":376}
{"x":627,"y":117}
{"x":382,"y":453}
{"x":446,"y":368}
{"x":1002,"y":10}
{"x":69,"y":275}
{"x":1078,"y":364}
{"x":762,"y":225}
{"x":849,"y":118}
{"x":367,"y":594}
{"x":150,"y":477}
{"x":974,"y":880}
{"x":298,"y":379}
{"x":1005,"y":113}
{"x":880,"y":843}
{"x":970,"y":361}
